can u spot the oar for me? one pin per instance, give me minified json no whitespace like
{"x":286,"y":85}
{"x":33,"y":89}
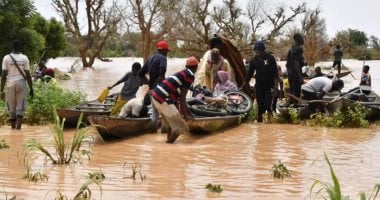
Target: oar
{"x":348,"y":70}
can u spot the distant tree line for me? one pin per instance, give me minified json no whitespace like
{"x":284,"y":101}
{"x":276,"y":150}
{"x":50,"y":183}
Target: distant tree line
{"x":132,"y":27}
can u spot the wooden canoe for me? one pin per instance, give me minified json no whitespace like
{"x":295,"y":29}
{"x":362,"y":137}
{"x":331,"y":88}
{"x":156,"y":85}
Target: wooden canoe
{"x":113,"y":127}
{"x":93,"y":107}
{"x":362,"y":95}
{"x":302,"y":110}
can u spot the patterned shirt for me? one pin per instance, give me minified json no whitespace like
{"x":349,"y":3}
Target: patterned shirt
{"x":169,"y":90}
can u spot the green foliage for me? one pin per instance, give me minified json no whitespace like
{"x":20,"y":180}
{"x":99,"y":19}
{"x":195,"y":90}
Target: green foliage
{"x":3,"y":144}
{"x":214,"y":188}
{"x":64,"y":152}
{"x":372,"y":194}
{"x":353,"y":117}
{"x":85,"y":192}
{"x":34,"y":176}
{"x":3,"y":113}
{"x":333,"y":191}
{"x":290,"y":117}
{"x":250,"y":116}
{"x":279,"y":171}
{"x":47,"y":97}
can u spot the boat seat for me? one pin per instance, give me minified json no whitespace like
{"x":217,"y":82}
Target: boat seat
{"x":91,"y":108}
{"x":100,"y":104}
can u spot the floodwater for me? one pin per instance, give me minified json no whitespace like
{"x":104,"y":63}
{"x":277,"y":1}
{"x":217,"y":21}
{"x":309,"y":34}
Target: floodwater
{"x":239,"y":159}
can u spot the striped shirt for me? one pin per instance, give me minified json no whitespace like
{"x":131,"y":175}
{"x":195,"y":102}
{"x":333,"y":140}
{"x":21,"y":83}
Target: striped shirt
{"x":169,"y":90}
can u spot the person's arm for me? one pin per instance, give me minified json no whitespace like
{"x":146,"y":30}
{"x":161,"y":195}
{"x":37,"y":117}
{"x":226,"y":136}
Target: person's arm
{"x":163,"y":64}
{"x":30,"y":83}
{"x":369,"y":79}
{"x":3,"y":80}
{"x":250,"y":73}
{"x":125,"y":78}
{"x":183,"y":105}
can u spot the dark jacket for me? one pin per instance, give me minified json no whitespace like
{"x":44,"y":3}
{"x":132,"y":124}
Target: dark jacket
{"x":266,"y":70}
{"x":295,"y":62}
{"x":155,"y":66}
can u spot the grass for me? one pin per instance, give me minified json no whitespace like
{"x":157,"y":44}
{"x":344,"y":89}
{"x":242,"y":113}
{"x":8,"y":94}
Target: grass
{"x":352,"y":117}
{"x":279,"y":171}
{"x":64,"y":152}
{"x":214,"y":188}
{"x":333,"y":190}
{"x":85,"y":193}
{"x":3,"y":144}
{"x":34,"y":176}
{"x":136,"y":169}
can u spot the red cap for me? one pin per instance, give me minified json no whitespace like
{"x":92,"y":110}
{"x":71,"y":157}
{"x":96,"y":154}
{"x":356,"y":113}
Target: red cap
{"x":162,"y":45}
{"x":192,"y":62}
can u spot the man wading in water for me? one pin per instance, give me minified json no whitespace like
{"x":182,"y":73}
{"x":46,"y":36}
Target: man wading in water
{"x":167,"y":94}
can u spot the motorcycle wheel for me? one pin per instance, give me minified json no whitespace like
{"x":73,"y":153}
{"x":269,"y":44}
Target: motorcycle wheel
{"x":203,"y":110}
{"x":238,"y":102}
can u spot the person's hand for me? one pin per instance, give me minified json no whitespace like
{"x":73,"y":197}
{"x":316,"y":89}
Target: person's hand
{"x":2,"y":95}
{"x":31,"y":93}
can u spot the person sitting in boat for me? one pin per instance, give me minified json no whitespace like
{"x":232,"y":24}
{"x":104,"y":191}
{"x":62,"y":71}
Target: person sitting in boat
{"x":366,"y":77}
{"x":137,"y":107}
{"x":168,"y":93}
{"x":316,"y":88}
{"x":132,"y":83}
{"x":318,"y":72}
{"x":223,"y":84}
{"x":43,"y":70}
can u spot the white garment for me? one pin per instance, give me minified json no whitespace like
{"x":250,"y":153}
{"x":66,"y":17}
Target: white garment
{"x":318,"y":84}
{"x":135,"y":105}
{"x":13,"y":73}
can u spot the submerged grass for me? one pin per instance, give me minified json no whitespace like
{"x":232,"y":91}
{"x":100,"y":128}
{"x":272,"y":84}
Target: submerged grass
{"x":3,"y":144}
{"x":136,"y":169}
{"x":333,"y":190}
{"x":85,"y":193}
{"x":34,"y":176}
{"x":64,"y":152}
{"x":214,"y":188}
{"x":279,"y":171}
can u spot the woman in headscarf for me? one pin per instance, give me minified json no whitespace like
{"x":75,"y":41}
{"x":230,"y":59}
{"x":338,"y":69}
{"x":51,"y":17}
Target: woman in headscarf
{"x":223,"y":84}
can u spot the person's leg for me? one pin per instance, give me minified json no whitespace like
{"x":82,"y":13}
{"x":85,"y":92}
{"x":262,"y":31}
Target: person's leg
{"x":310,"y":96}
{"x":260,"y":100}
{"x":154,"y":117}
{"x":11,"y":105}
{"x":268,"y":100}
{"x":20,"y":91}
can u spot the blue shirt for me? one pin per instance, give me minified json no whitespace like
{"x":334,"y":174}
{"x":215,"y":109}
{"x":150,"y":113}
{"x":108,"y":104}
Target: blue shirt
{"x":155,"y":66}
{"x":170,"y":89}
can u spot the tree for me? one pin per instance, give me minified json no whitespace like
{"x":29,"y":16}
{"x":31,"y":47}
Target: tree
{"x":101,"y":23}
{"x":354,"y":43}
{"x":154,"y":19}
{"x":314,"y":30}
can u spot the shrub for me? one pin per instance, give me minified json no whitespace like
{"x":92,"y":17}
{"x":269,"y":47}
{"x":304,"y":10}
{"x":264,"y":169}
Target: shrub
{"x":47,"y":97}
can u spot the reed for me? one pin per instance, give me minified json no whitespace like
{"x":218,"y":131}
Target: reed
{"x":214,"y":188}
{"x":64,"y":152}
{"x":136,"y":169}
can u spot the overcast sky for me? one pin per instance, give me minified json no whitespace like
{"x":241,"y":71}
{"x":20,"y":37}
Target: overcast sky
{"x":339,"y":14}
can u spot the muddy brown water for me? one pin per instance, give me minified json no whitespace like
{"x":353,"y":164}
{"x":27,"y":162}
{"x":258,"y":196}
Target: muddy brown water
{"x":239,"y":159}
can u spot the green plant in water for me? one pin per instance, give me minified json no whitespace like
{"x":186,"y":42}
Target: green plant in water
{"x":290,"y":117}
{"x":85,"y":192}
{"x":214,"y":188}
{"x":372,"y":194}
{"x":65,"y":152}
{"x":34,"y":176}
{"x":3,"y":144}
{"x":353,"y":117}
{"x":136,"y":169}
{"x":279,"y":171}
{"x":250,"y":116}
{"x":47,"y":97}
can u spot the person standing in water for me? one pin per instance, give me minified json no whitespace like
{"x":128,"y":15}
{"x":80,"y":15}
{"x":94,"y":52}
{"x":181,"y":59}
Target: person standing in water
{"x":338,"y":54}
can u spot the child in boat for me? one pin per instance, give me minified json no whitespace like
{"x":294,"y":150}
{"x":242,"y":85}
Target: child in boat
{"x":223,"y":84}
{"x":366,"y":77}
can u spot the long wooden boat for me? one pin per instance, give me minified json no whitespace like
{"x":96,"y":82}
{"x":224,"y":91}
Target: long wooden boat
{"x":362,"y":95}
{"x":93,"y":107}
{"x":113,"y":127}
{"x":330,"y":75}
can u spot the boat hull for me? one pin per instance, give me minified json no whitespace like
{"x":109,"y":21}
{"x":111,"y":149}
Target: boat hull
{"x":71,"y":115}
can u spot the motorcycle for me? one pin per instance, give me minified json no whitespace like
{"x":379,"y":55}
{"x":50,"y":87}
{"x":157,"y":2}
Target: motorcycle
{"x":203,"y":103}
